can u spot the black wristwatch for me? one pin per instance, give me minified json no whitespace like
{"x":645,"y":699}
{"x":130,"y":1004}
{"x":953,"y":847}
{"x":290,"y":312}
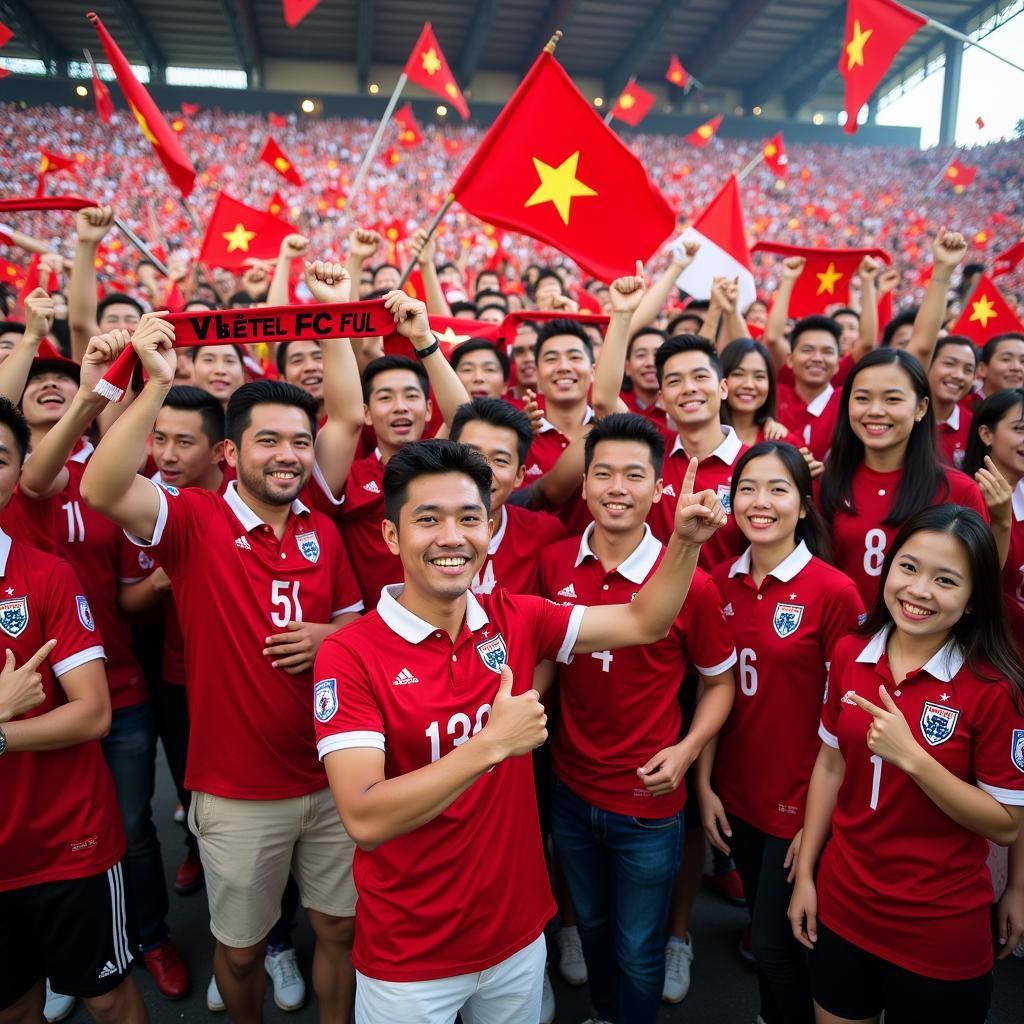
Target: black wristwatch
{"x":3,"y":742}
{"x":422,"y":353}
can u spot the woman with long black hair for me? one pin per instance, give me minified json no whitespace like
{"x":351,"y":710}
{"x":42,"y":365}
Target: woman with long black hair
{"x":751,"y":402}
{"x":884,"y":465}
{"x":922,"y":760}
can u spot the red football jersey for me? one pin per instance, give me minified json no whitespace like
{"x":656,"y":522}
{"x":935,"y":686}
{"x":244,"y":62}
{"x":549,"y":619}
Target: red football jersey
{"x":235,"y":584}
{"x":814,"y":421}
{"x":860,"y":540}
{"x":545,"y":451}
{"x":845,"y":365}
{"x":619,"y":708}
{"x":60,"y":817}
{"x":953,"y":434}
{"x":900,"y":878}
{"x":1013,"y":569}
{"x":655,"y":413}
{"x":785,"y":632}
{"x":32,"y":523}
{"x":520,"y":536}
{"x":714,"y":472}
{"x":470,"y":888}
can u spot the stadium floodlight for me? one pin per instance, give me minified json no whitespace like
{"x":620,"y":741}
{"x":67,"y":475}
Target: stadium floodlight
{"x":374,"y":88}
{"x":442,"y":110}
{"x":81,"y":90}
{"x":307,"y":106}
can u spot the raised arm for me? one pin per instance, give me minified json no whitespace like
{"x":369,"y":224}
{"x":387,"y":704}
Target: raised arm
{"x":626,"y":295}
{"x":362,"y":244}
{"x":23,"y":241}
{"x":728,"y":290}
{"x":15,"y":368}
{"x":423,"y":250}
{"x":775,"y":328}
{"x":867,"y":337}
{"x":91,"y":224}
{"x":713,"y":317}
{"x":948,"y":249}
{"x":293,"y":247}
{"x":110,"y":484}
{"x":655,"y":297}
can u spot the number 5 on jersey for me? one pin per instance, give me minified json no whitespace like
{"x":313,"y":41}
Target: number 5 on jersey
{"x":284,"y":601}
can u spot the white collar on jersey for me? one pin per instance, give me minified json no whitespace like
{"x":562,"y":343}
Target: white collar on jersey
{"x":954,"y":419}
{"x":816,"y":406}
{"x":942,"y":665}
{"x":414,"y":629}
{"x":637,"y":567}
{"x":726,"y":451}
{"x":792,"y":564}
{"x":244,"y":514}
{"x":499,"y":533}
{"x":1017,"y":501}
{"x":5,"y":551}
{"x":546,"y":424}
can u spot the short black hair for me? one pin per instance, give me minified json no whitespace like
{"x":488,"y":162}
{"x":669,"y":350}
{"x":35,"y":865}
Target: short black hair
{"x":384,"y":363}
{"x":201,"y":302}
{"x":379,"y":293}
{"x":687,"y":314}
{"x":116,"y":299}
{"x":194,"y":351}
{"x":12,"y":418}
{"x":242,"y":299}
{"x":432,"y":458}
{"x":900,"y":320}
{"x":490,"y":297}
{"x":448,"y":265}
{"x":11,"y":327}
{"x":989,"y":348}
{"x":282,"y":355}
{"x":844,"y":309}
{"x":497,"y":413}
{"x":561,"y":325}
{"x":462,"y":307}
{"x":639,"y":333}
{"x":480,"y":310}
{"x":955,"y":339}
{"x":265,"y":392}
{"x":479,"y":345}
{"x":385,"y":266}
{"x":686,"y":343}
{"x":211,"y":412}
{"x":546,"y":273}
{"x":625,"y":426}
{"x":815,"y":322}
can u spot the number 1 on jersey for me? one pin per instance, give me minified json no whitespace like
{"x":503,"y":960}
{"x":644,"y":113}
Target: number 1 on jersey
{"x":876,"y":780}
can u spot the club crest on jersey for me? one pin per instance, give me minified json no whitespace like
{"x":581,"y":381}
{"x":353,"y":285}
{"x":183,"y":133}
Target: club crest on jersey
{"x":787,"y":619}
{"x":171,"y":490}
{"x":145,"y":562}
{"x":325,"y":699}
{"x":309,"y":545}
{"x":85,"y":613}
{"x":725,"y":498}
{"x":493,"y":653}
{"x":14,"y":616}
{"x":1017,"y":749}
{"x":938,"y":723}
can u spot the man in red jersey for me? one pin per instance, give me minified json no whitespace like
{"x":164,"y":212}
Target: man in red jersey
{"x":63,"y":906}
{"x":618,"y":760}
{"x":422,"y":709}
{"x":950,"y":377}
{"x":253,"y":562}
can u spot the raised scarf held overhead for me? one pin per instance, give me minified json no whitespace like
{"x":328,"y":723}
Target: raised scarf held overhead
{"x":15,"y":204}
{"x":268,"y":323}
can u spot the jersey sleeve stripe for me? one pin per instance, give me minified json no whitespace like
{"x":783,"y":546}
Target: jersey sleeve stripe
{"x":717,"y":670}
{"x":357,"y":607}
{"x":1013,"y":797}
{"x":572,"y":632}
{"x":74,"y":660}
{"x":350,"y":741}
{"x":161,"y":521}
{"x":827,"y":737}
{"x":322,"y":484}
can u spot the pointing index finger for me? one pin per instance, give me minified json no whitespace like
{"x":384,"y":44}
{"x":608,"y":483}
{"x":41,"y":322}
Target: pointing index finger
{"x":690,"y":480}
{"x":41,"y":655}
{"x":866,"y":705}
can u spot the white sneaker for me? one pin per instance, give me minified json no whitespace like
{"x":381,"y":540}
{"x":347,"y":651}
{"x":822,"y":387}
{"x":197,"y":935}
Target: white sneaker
{"x":58,"y":1007}
{"x":289,"y":988}
{"x":678,"y":957}
{"x":214,"y":1003}
{"x":179,"y":814}
{"x":547,"y":1001}
{"x":571,"y":964}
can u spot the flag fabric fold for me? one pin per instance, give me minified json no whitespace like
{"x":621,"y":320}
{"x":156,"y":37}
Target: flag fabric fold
{"x":703,"y":134}
{"x":428,"y":68}
{"x":775,"y":156}
{"x":101,"y":94}
{"x":958,"y":174}
{"x":236,"y":234}
{"x":273,"y":156}
{"x":633,"y":105}
{"x":986,"y":313}
{"x":1008,"y":259}
{"x":409,"y":133}
{"x":295,"y":10}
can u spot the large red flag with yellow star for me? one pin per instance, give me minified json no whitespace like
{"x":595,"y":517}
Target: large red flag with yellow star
{"x":178,"y":166}
{"x":876,"y":30}
{"x":238,"y":233}
{"x":273,"y":156}
{"x":427,"y":67}
{"x":550,"y":168}
{"x":986,"y":314}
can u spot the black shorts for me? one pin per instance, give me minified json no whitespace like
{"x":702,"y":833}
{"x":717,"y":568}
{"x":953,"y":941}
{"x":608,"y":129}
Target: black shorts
{"x":847,"y":981}
{"x":75,"y":933}
{"x":687,"y":697}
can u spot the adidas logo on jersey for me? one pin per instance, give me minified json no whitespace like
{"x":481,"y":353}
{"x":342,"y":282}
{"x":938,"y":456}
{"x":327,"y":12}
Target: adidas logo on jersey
{"x":569,"y":591}
{"x":404,"y":678}
{"x":847,"y":698}
{"x":372,"y":487}
{"x":107,"y":971}
{"x":669,"y":490}
{"x":727,"y":610}
{"x":243,"y":543}
{"x":534,"y":470}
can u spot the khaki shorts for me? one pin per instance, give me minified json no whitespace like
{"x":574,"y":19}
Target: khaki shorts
{"x":249,"y":846}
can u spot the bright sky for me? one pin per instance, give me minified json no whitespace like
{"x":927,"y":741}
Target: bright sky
{"x":988,"y":88}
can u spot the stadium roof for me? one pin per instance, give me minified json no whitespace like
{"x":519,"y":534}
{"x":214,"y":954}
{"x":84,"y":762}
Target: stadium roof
{"x":767,"y":49}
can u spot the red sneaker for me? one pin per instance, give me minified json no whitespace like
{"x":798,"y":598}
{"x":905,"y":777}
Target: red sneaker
{"x":189,"y":878}
{"x":168,"y":969}
{"x":728,"y":886}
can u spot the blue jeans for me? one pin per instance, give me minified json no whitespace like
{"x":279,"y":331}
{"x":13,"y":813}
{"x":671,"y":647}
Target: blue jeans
{"x":130,"y":750}
{"x":621,"y":872}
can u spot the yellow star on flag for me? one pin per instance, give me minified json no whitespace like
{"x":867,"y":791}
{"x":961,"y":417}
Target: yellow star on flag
{"x":827,"y":280}
{"x":771,"y":149}
{"x":146,"y":130}
{"x":281,"y":164}
{"x":952,"y":173}
{"x":238,"y":238}
{"x":855,"y":47}
{"x":626,"y":101}
{"x":431,"y":63}
{"x":676,"y":76}
{"x":559,"y":185}
{"x":408,"y":136}
{"x":448,"y":335}
{"x":449,"y":87}
{"x":983,"y":310}
{"x":704,"y":131}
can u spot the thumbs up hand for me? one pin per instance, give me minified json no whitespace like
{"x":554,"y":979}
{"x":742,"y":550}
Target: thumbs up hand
{"x":516,"y":724}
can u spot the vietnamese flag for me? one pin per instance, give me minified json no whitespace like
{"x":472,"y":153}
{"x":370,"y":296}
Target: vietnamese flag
{"x":273,"y":156}
{"x":101,"y":94}
{"x":633,"y":105}
{"x":1008,"y":259}
{"x":876,"y":30}
{"x":959,"y":174}
{"x":190,"y":109}
{"x":985,"y":314}
{"x":825,"y":280}
{"x":296,"y":10}
{"x":276,"y":204}
{"x":238,"y":233}
{"x":676,"y":73}
{"x":550,"y":168}
{"x":775,"y":156}
{"x":51,"y":163}
{"x":427,"y":67}
{"x":178,"y":166}
{"x":701,"y":136}
{"x":409,"y":133}
{"x":12,"y":275}
{"x":450,"y":331}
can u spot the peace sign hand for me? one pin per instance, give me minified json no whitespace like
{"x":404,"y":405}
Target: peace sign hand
{"x":698,"y":515}
{"x":889,"y":735}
